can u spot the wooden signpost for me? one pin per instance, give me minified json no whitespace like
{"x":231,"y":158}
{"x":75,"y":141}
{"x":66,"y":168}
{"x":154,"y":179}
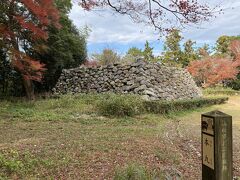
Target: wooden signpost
{"x":216,"y":146}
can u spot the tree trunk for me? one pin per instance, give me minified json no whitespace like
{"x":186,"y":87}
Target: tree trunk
{"x":28,"y":85}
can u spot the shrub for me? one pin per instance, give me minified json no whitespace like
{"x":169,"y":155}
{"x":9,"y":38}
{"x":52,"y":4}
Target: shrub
{"x":235,"y":84}
{"x":130,"y":105}
{"x":120,"y":105}
{"x":165,"y":107}
{"x":228,"y":92}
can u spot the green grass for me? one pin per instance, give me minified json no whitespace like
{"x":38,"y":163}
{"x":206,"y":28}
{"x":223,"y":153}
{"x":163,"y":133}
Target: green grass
{"x":132,"y":172}
{"x":70,"y":108}
{"x":221,"y":91}
{"x":164,"y":155}
{"x":64,"y":130}
{"x":68,"y":138}
{"x":167,"y":107}
{"x":64,"y":108}
{"x":121,"y":105}
{"x":136,"y":172}
{"x":13,"y":163}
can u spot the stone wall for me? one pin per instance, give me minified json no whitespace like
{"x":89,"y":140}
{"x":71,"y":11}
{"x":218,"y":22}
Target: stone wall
{"x":152,"y":81}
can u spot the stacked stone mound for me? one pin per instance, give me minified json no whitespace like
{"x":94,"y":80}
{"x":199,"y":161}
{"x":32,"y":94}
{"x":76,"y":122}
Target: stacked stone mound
{"x":151,"y":80}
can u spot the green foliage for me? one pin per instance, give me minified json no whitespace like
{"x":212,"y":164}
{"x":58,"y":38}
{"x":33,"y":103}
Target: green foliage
{"x":130,"y":105}
{"x":120,"y":105}
{"x":113,"y":105}
{"x":10,"y":166}
{"x":65,"y":48}
{"x":203,"y":51}
{"x":222,"y":44}
{"x":64,"y":6}
{"x":135,"y":52}
{"x":132,"y":55}
{"x":108,"y":56}
{"x":189,"y":53}
{"x":137,"y":172}
{"x":173,"y":54}
{"x":235,"y":84}
{"x":133,"y":172}
{"x":10,"y":80}
{"x":168,"y":156}
{"x":148,"y":52}
{"x":166,"y":107}
{"x":221,"y":91}
{"x":14,"y":164}
{"x":223,"y":49}
{"x":63,"y":108}
{"x":173,"y":40}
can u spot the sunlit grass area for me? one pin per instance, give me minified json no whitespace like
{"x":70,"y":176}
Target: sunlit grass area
{"x":67,"y":138}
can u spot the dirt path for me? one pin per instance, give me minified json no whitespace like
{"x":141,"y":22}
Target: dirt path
{"x":186,"y":134}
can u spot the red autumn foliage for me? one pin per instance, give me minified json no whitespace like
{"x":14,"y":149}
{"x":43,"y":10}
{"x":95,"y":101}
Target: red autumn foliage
{"x":26,"y":21}
{"x":30,"y":68}
{"x":235,"y":49}
{"x":212,"y":70}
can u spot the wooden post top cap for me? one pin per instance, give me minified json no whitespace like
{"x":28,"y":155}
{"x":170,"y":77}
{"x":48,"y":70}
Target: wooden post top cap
{"x":216,"y":113}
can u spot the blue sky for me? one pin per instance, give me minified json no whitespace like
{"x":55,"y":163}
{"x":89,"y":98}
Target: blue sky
{"x":121,"y":48}
{"x":109,"y":30}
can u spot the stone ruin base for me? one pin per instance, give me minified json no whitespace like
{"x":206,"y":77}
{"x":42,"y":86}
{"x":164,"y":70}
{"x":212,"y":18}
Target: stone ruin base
{"x":151,"y":80}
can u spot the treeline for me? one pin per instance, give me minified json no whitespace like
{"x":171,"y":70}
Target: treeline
{"x":218,"y":65}
{"x":38,"y":40}
{"x":65,"y":47}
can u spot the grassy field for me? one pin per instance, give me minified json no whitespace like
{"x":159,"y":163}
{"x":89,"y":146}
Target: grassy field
{"x":66,"y":139}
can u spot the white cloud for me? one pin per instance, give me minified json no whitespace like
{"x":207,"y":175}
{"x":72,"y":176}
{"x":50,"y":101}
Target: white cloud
{"x":108,"y":27}
{"x":112,"y":28}
{"x":224,"y":24}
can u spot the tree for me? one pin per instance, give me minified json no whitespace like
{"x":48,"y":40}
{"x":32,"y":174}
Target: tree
{"x":132,"y":55}
{"x":10,"y":80}
{"x":5,"y":71}
{"x":189,"y":53}
{"x":108,"y":56}
{"x":135,"y":52}
{"x":23,"y":22}
{"x":212,"y":70}
{"x":173,"y":55}
{"x":203,"y":51}
{"x":219,"y":67}
{"x":148,"y":52}
{"x":235,"y":51}
{"x":162,"y":15}
{"x":234,"y":47}
{"x":223,"y":43}
{"x":66,"y":47}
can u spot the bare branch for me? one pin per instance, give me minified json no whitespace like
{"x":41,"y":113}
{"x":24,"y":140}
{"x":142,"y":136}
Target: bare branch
{"x":154,"y":12}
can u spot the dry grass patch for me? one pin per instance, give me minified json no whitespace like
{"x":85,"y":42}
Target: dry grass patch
{"x":67,"y":139}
